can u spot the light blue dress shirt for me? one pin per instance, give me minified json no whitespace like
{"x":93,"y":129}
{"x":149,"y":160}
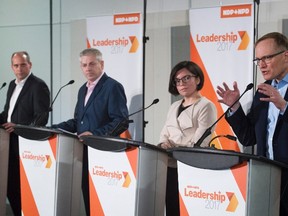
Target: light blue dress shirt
{"x":273,"y":114}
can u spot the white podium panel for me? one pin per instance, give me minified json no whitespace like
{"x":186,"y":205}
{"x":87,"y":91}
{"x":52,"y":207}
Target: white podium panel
{"x":212,"y":192}
{"x":50,"y":174}
{"x":112,"y":177}
{"x":126,"y":178}
{"x":226,"y":183}
{"x":4,"y":158}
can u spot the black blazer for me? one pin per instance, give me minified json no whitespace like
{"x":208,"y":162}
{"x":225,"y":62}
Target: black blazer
{"x":252,"y":129}
{"x":33,"y":101}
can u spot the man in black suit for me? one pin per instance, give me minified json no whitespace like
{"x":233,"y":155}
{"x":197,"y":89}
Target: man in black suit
{"x":28,"y":98}
{"x":266,"y":124}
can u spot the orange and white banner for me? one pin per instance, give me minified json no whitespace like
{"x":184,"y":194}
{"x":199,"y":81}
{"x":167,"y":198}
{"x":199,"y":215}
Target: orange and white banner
{"x":112,"y":181}
{"x":119,"y":38}
{"x":38,"y":176}
{"x":222,"y":45}
{"x":212,"y":192}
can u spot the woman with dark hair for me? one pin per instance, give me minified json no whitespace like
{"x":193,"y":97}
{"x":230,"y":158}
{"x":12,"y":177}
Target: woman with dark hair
{"x":186,"y":122}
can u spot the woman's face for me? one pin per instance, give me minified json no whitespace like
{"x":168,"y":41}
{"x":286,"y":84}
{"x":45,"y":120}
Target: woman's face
{"x":186,"y":83}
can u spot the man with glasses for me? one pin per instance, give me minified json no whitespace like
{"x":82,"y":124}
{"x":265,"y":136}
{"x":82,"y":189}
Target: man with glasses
{"x":266,"y":124}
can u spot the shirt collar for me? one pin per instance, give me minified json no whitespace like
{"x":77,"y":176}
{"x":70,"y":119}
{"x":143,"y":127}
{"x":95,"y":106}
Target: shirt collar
{"x":90,"y":84}
{"x":22,"y":82}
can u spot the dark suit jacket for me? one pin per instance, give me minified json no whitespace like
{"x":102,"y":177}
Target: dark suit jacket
{"x":252,"y":129}
{"x":33,"y":101}
{"x":105,"y":108}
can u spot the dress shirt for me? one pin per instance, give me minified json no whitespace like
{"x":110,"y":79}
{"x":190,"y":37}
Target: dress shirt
{"x":273,"y":114}
{"x":90,"y":87}
{"x":15,"y":95}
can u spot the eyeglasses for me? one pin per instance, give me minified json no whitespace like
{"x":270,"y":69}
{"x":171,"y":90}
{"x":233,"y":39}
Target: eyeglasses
{"x":267,"y":59}
{"x":184,"y":79}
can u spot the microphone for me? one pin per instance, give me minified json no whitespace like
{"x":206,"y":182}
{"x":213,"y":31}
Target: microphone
{"x":40,"y":117}
{"x":208,"y":130}
{"x":69,"y":83}
{"x":228,"y":136}
{"x":123,"y":125}
{"x":155,"y":101}
{"x":3,"y":85}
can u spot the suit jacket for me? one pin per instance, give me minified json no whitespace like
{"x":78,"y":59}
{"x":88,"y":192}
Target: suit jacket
{"x":190,"y":125}
{"x":105,"y":108}
{"x":33,"y":102}
{"x":252,"y":129}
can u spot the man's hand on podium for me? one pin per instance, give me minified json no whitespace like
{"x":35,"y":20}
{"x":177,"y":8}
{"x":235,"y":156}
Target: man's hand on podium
{"x":9,"y":126}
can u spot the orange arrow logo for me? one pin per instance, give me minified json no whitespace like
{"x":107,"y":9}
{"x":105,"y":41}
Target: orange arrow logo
{"x":233,"y":202}
{"x":49,"y":161}
{"x":127,"y":179}
{"x":135,"y":44}
{"x":244,"y":40}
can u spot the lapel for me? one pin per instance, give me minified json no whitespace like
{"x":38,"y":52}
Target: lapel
{"x":185,"y":119}
{"x":11,"y":90}
{"x":286,"y":95}
{"x":94,"y":94}
{"x":24,"y":89}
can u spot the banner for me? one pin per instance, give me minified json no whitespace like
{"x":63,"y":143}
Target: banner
{"x":50,"y":175}
{"x":38,"y":176}
{"x":119,"y":38}
{"x":202,"y":191}
{"x":112,"y":182}
{"x":222,"y":45}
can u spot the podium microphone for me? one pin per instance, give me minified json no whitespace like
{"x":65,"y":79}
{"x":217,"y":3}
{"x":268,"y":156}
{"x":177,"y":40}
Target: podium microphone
{"x":3,"y":85}
{"x":228,"y":136}
{"x":208,"y":130}
{"x":155,"y":101}
{"x":122,"y":125}
{"x":69,"y":83}
{"x":40,"y":117}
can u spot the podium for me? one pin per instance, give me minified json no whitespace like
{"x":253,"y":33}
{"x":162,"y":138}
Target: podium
{"x":125,"y":177}
{"x":50,"y":171}
{"x":218,"y":182}
{"x":4,"y":158}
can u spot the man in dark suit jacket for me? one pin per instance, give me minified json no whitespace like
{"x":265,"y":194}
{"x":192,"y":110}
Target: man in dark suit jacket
{"x":100,"y":107}
{"x":266,"y":124}
{"x":28,"y":97}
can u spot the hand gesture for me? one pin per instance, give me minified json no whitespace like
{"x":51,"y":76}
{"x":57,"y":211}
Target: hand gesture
{"x":272,"y":96}
{"x":229,"y":96}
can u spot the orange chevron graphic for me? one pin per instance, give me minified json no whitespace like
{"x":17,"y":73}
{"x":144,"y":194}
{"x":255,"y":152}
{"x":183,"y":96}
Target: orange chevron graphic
{"x":53,"y":144}
{"x":240,"y":172}
{"x":88,"y":43}
{"x":245,"y":40}
{"x":233,"y":202}
{"x":132,"y":155}
{"x":208,"y":91}
{"x":96,"y":208}
{"x":49,"y":161}
{"x":28,"y":203}
{"x":183,"y":209}
{"x":127,"y":180}
{"x":135,"y":44}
